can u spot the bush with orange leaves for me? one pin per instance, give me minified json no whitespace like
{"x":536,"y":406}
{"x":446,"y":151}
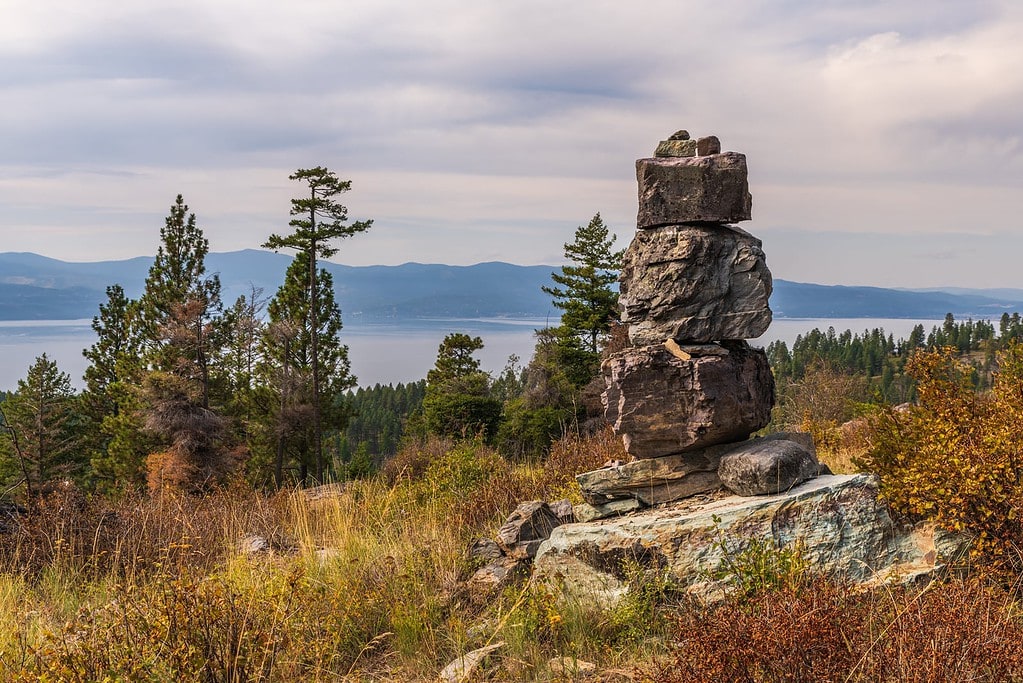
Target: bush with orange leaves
{"x":957,"y":456}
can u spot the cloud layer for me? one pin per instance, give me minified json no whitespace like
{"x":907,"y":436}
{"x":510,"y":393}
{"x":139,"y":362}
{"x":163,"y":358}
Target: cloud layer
{"x":477,"y":131}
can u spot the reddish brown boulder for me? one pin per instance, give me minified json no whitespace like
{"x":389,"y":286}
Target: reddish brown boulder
{"x":661,"y":404}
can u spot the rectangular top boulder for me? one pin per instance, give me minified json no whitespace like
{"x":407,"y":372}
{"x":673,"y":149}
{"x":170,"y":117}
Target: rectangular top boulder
{"x":695,"y":189}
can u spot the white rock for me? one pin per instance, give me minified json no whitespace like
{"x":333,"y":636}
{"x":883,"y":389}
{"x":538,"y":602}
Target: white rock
{"x":462,"y":669}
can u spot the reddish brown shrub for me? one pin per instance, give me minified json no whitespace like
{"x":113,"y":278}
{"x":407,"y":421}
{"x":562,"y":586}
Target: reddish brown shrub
{"x":960,"y":631}
{"x":170,"y":532}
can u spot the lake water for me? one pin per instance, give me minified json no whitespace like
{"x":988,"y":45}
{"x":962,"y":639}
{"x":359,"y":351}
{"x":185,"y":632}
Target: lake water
{"x":379,"y":353}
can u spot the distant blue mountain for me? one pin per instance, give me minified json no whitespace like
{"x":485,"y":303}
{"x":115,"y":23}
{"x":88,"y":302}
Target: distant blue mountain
{"x":801,"y":300}
{"x":34,"y":287}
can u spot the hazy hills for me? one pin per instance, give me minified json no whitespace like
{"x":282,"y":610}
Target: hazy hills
{"x":34,"y":287}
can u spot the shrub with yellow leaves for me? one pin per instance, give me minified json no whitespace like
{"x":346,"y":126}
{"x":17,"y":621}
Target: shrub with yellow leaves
{"x":957,"y":456}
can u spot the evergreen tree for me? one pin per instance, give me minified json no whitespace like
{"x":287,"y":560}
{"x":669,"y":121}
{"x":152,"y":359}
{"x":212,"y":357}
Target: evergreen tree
{"x":180,"y":309}
{"x":458,"y":401}
{"x":105,"y":397}
{"x":42,"y":415}
{"x":175,"y":329}
{"x":584,"y":290}
{"x":288,"y":363}
{"x":547,"y":405}
{"x":319,"y":219}
{"x":243,"y":327}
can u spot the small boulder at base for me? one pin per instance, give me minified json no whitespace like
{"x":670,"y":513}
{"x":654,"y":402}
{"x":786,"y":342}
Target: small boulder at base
{"x":661,"y":404}
{"x":486,"y":550}
{"x":464,"y":668}
{"x":494,"y":575}
{"x":528,"y":526}
{"x":767,"y":466}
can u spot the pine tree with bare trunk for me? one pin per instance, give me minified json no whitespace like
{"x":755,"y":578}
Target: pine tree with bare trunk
{"x":318,"y":220}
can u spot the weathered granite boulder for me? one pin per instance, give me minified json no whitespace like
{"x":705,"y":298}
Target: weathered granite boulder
{"x":661,"y":480}
{"x":485,"y":550}
{"x":694,"y":283}
{"x":768,"y":466}
{"x":562,"y":509}
{"x":661,"y":404}
{"x":843,"y":529}
{"x":693,"y":189}
{"x":526,"y":528}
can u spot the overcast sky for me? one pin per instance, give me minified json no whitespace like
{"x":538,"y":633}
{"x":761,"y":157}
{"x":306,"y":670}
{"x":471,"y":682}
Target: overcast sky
{"x":883,"y":136}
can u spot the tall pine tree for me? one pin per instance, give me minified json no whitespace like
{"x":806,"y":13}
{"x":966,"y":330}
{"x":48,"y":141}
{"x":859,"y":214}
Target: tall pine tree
{"x":106,"y":395}
{"x":42,"y":415}
{"x":288,"y":362}
{"x":318,"y":220}
{"x":178,"y":294}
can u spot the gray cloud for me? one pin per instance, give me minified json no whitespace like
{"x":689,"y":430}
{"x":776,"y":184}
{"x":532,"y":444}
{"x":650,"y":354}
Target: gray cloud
{"x":475,"y":131}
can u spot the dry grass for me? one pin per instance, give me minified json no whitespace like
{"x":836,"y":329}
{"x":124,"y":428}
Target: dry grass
{"x":367,"y":584}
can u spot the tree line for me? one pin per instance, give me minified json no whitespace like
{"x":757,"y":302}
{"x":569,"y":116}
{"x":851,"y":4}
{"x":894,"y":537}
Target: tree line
{"x":521,"y":409}
{"x":184,"y":391}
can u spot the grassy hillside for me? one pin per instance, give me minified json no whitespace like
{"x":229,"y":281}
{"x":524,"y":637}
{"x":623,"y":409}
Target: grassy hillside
{"x":367,"y":584}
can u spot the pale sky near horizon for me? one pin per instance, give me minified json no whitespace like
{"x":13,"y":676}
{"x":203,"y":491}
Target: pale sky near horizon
{"x":883,"y":136}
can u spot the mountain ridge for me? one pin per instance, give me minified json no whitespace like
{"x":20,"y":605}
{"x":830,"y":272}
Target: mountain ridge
{"x":36,"y":287}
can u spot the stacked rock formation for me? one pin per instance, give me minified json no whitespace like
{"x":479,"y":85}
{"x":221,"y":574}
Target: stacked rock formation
{"x":689,"y":391}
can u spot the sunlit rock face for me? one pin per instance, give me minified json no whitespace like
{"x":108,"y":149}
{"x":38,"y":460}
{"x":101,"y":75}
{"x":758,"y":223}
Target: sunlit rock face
{"x":841,"y":527}
{"x":694,"y":284}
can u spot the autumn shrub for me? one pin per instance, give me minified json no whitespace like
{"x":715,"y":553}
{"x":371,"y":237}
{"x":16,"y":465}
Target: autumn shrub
{"x":957,"y":456}
{"x":412,"y":459}
{"x":794,"y":634}
{"x":760,"y":566}
{"x":95,"y":536}
{"x":824,"y":632}
{"x":820,"y":403}
{"x":576,"y":453}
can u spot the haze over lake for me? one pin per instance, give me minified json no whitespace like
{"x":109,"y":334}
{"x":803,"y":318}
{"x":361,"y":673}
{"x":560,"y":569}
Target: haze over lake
{"x":381,"y":353}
